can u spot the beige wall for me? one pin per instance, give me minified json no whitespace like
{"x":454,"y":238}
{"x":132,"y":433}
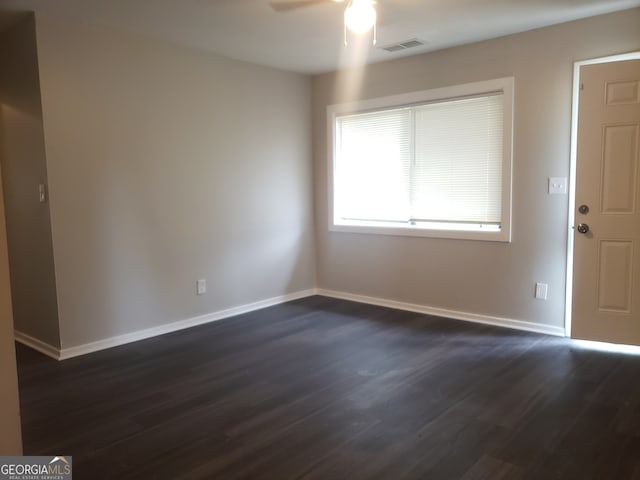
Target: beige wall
{"x":10,"y":438}
{"x":167,"y":165}
{"x":23,"y":162}
{"x":486,"y":278}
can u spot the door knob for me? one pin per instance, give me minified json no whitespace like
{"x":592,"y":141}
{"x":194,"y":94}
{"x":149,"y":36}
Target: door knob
{"x":583,"y":228}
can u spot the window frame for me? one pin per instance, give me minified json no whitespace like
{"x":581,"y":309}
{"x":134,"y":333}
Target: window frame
{"x":504,"y":85}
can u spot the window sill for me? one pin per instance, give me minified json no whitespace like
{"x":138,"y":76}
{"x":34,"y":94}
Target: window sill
{"x":462,"y":232}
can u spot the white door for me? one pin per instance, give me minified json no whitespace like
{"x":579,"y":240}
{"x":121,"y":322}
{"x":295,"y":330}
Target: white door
{"x":606,"y":271}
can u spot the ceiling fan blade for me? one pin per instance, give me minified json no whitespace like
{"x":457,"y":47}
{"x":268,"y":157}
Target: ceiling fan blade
{"x":295,"y":4}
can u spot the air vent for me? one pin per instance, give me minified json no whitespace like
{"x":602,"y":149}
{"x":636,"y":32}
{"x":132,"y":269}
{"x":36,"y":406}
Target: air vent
{"x":397,"y":47}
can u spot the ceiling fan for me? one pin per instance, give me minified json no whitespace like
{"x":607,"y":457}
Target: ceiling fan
{"x":285,"y":6}
{"x":359,"y":16}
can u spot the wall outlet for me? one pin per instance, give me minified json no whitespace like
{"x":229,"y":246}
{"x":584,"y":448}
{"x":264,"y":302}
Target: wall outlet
{"x":201,"y":286}
{"x":541,"y":291}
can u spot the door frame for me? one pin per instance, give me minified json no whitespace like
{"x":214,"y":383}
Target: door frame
{"x":572,"y":171}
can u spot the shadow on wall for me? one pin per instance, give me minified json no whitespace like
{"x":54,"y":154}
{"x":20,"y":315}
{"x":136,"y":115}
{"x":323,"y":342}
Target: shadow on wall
{"x":28,"y":226}
{"x":22,"y":156}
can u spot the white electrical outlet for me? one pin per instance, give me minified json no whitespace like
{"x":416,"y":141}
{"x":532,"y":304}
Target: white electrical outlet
{"x":541,"y":291}
{"x":201,"y":286}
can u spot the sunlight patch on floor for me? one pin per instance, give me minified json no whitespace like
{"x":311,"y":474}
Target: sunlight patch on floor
{"x":607,"y":347}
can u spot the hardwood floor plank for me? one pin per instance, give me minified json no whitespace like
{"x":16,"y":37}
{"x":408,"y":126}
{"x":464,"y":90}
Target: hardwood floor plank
{"x":321,"y":388}
{"x":488,"y":468}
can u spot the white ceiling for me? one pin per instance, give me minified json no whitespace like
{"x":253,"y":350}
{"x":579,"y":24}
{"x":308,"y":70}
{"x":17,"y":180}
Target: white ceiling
{"x":309,"y":40}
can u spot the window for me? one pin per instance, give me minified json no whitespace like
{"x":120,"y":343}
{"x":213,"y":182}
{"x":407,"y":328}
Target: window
{"x":433,"y":163}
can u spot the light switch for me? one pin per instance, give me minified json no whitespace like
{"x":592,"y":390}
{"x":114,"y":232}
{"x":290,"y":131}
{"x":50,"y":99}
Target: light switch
{"x":541,"y":291}
{"x":557,"y":185}
{"x":42,"y":193}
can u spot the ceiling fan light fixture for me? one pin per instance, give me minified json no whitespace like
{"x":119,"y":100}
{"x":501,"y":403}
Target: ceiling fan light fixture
{"x":360,"y":16}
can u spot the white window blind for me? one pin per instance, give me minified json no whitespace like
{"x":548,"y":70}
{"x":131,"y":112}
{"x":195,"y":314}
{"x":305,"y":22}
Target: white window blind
{"x":456,"y":175}
{"x":372,"y":166}
{"x":439,"y":162}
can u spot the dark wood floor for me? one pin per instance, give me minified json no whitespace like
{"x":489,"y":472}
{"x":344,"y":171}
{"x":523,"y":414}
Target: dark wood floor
{"x":327,"y":389}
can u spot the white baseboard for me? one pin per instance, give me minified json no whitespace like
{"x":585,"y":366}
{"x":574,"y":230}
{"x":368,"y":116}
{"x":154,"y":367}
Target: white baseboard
{"x":441,"y":312}
{"x":179,"y":325}
{"x":37,"y":345}
{"x":75,"y":351}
